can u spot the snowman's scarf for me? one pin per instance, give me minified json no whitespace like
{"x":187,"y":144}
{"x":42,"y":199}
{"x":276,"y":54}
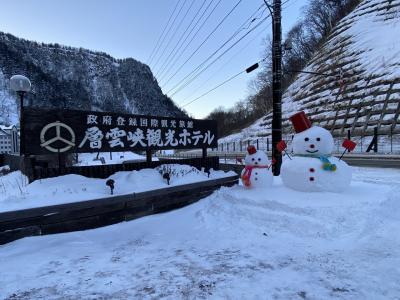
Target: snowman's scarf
{"x":326,"y":164}
{"x":247,"y":173}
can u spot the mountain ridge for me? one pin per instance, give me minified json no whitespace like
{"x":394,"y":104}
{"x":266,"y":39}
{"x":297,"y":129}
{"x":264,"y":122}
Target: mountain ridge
{"x":69,"y":77}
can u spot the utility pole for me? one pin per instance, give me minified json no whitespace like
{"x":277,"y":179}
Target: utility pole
{"x":276,"y":85}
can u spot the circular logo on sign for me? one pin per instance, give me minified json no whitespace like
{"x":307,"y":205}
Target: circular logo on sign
{"x":56,"y":128}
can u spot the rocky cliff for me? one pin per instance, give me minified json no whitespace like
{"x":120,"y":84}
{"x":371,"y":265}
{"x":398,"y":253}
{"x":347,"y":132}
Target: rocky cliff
{"x":67,"y":77}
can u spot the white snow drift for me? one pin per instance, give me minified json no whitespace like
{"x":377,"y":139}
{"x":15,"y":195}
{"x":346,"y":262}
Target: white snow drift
{"x":238,"y":243}
{"x":16,"y":194}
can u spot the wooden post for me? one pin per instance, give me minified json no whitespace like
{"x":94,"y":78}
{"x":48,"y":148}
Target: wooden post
{"x":204,"y":153}
{"x":374,"y":143}
{"x":59,"y":162}
{"x":391,"y":139}
{"x":148,"y":156}
{"x":240,"y":145}
{"x":257,"y":144}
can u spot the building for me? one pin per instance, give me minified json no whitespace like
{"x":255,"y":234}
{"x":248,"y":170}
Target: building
{"x":9,"y":139}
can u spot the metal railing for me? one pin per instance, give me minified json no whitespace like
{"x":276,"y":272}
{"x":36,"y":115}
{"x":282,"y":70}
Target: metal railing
{"x":386,"y":144}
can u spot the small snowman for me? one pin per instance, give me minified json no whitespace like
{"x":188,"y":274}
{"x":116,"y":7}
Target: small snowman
{"x":312,"y":167}
{"x":256,"y":172}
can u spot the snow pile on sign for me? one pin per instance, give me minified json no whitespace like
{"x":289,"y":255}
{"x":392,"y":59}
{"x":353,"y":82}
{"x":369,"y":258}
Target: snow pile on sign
{"x":17,"y":194}
{"x":236,"y":244}
{"x":94,"y":159}
{"x":362,"y":55}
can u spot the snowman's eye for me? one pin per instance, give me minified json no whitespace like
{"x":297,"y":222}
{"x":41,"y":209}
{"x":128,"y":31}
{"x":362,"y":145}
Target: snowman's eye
{"x":306,"y":139}
{"x":318,"y":139}
{"x":259,"y":159}
{"x":252,"y":159}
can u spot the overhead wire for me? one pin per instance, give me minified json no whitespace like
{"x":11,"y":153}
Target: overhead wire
{"x":180,"y":42}
{"x":205,"y":40}
{"x":169,"y":29}
{"x":229,"y":79}
{"x":227,"y":62}
{"x":219,"y":85}
{"x":174,"y":32}
{"x":198,"y":68}
{"x":250,"y":19}
{"x":193,"y":37}
{"x":162,"y":33}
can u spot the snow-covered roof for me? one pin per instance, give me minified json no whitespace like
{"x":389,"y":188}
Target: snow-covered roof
{"x":6,"y":129}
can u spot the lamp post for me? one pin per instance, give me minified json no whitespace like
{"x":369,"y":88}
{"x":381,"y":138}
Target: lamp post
{"x":275,"y":12}
{"x":21,"y":85}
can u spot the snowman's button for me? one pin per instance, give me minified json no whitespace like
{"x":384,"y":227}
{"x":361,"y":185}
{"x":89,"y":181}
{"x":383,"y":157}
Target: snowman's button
{"x":256,"y":173}
{"x":311,"y":178}
{"x":256,"y":178}
{"x":312,"y":170}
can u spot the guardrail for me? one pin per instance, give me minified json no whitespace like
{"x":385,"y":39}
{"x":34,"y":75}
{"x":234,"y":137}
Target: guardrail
{"x":353,"y":159}
{"x":102,"y":212}
{"x":385,"y":143}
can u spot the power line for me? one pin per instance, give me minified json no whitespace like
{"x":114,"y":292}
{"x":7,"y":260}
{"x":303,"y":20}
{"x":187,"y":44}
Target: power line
{"x":199,"y":72}
{"x":174,"y":32}
{"x":194,"y":76}
{"x":159,"y":38}
{"x":169,"y":29}
{"x":248,"y":70}
{"x":228,"y":61}
{"x":194,"y":36}
{"x":205,"y":40}
{"x":250,"y":19}
{"x":179,"y":43}
{"x":213,"y":89}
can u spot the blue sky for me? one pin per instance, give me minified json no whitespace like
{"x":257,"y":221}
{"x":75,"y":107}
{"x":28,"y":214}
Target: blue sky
{"x":131,"y":28}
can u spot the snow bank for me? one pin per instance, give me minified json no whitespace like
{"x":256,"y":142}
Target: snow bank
{"x":236,"y":244}
{"x":17,"y":194}
{"x":90,"y":159}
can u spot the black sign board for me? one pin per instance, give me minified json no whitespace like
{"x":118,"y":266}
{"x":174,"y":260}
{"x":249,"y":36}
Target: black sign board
{"x":63,"y":131}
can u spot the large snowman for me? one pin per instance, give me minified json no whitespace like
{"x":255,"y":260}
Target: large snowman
{"x":313,"y":168}
{"x":256,"y":172}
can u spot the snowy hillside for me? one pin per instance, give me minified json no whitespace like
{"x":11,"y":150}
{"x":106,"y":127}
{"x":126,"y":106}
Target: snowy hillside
{"x":78,"y":78}
{"x":362,"y":58}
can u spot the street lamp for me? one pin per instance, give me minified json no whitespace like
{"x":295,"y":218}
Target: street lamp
{"x":21,"y":85}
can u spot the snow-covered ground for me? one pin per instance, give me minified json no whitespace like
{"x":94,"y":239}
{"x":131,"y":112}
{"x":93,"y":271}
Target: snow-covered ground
{"x":17,"y":194}
{"x":235,"y":244}
{"x":92,"y":159}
